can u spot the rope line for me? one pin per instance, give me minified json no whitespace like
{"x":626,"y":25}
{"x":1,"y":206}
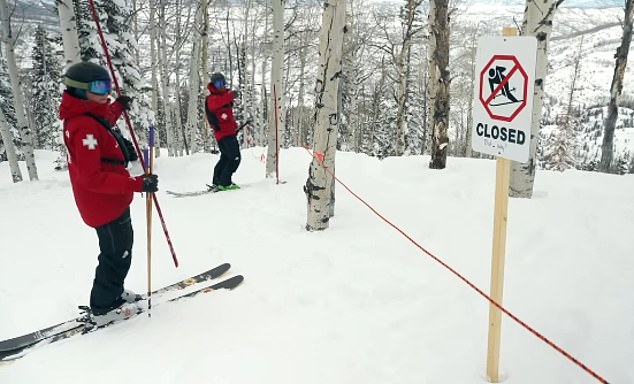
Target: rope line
{"x":464,"y":279}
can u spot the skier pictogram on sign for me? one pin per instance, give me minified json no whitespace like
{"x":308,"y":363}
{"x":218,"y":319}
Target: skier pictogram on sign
{"x":507,"y":91}
{"x":503,"y":96}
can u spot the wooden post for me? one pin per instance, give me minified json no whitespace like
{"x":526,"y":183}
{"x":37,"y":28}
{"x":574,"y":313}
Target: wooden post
{"x":500,"y":218}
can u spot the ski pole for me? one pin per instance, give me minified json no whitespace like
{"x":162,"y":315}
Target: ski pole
{"x":148,"y":214}
{"x":159,"y":212}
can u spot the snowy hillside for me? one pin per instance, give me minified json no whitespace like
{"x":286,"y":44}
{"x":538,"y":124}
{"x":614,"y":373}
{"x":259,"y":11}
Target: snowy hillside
{"x":566,"y":3}
{"x":357,"y":303}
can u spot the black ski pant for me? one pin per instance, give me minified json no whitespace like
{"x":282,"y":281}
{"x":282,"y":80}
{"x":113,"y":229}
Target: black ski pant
{"x":228,"y":162}
{"x":115,"y":257}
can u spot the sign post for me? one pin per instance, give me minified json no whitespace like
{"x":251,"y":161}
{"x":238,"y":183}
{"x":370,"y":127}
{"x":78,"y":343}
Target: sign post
{"x":503,"y":98}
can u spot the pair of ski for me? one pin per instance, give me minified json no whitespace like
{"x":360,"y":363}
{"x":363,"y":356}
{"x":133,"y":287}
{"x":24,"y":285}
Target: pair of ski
{"x":12,"y":349}
{"x":209,"y":189}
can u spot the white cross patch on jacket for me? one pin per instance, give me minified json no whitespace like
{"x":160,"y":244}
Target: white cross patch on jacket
{"x":90,"y":142}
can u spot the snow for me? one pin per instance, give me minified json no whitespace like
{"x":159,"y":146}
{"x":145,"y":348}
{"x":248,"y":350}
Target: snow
{"x":356,"y":303}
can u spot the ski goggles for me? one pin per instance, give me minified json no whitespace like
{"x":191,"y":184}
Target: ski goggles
{"x":219,"y":83}
{"x":97,"y":87}
{"x":100,"y":87}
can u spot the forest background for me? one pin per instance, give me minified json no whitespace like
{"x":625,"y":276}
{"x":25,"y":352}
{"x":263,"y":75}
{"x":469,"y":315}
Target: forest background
{"x":164,"y":62}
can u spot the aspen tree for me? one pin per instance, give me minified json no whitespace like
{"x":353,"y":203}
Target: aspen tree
{"x":12,"y":157}
{"x":276,"y":116}
{"x":191,"y":125}
{"x":9,"y":40}
{"x":68,"y":26}
{"x":319,"y":186}
{"x":607,"y":149}
{"x":538,"y":22}
{"x":439,"y":82}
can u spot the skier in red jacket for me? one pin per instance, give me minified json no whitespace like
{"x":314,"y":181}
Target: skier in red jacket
{"x":97,"y":159}
{"x":219,"y":110}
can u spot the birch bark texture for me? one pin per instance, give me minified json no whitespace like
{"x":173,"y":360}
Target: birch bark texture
{"x":538,"y":22}
{"x":68,"y":26}
{"x":319,"y":185}
{"x":204,"y":69}
{"x":154,"y":60}
{"x":170,"y":132}
{"x":607,"y":148}
{"x":72,"y":54}
{"x":276,"y":117}
{"x":12,"y":157}
{"x":402,"y":65}
{"x":18,"y":95}
{"x":194,"y":81}
{"x":439,"y":81}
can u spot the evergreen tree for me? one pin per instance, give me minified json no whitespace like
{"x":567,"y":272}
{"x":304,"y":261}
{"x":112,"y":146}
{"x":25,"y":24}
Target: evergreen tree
{"x":44,"y":97}
{"x":6,"y":96}
{"x":87,"y":32}
{"x":623,"y":163}
{"x":114,"y":19}
{"x":415,"y":135}
{"x":558,"y":149}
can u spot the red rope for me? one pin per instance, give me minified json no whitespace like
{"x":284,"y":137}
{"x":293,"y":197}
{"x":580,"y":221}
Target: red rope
{"x":130,"y":128}
{"x":465,"y":280}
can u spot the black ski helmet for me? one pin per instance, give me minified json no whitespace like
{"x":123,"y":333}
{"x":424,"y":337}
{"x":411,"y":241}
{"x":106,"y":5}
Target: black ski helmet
{"x":80,"y":75}
{"x":217,"y":76}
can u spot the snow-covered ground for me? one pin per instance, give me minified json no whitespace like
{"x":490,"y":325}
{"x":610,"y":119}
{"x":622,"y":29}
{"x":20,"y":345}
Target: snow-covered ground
{"x":357,"y":303}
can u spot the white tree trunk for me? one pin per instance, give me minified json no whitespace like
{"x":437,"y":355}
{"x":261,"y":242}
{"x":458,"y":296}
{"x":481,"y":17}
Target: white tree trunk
{"x":299,"y":121}
{"x":276,"y":117}
{"x":72,"y":54}
{"x":616,"y":89}
{"x":537,"y":22}
{"x":432,"y":76}
{"x":204,"y":69}
{"x":439,"y":84}
{"x":249,"y":99}
{"x":7,"y":139}
{"x":154,"y":76}
{"x":167,"y":109}
{"x":319,"y":186}
{"x":402,"y":69}
{"x":18,"y":95}
{"x":472,"y":57}
{"x":191,"y":126}
{"x":179,"y":136}
{"x":260,"y":136}
{"x":68,"y":26}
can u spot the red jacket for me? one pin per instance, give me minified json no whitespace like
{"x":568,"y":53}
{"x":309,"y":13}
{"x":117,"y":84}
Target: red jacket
{"x":103,"y":189}
{"x":219,"y":109}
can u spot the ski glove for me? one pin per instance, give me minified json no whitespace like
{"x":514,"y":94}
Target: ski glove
{"x":150,"y":183}
{"x":125,"y":101}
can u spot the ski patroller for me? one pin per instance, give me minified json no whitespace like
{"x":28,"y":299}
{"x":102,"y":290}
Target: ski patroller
{"x":208,"y":189}
{"x":17,"y":347}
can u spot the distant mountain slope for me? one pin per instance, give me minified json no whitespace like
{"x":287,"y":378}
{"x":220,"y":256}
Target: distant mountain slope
{"x":567,"y":3}
{"x":35,"y":11}
{"x":493,"y":3}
